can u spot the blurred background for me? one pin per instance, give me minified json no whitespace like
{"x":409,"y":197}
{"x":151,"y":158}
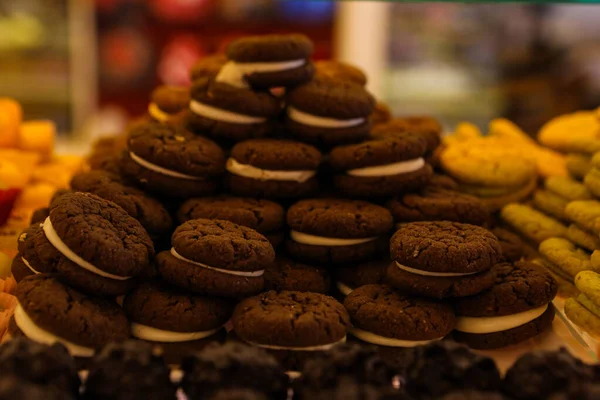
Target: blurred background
{"x":91,"y":65}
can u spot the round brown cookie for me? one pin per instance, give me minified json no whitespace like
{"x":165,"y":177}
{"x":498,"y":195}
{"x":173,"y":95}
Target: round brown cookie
{"x":273,"y":168}
{"x":101,"y":233}
{"x":381,"y":114}
{"x":35,"y":253}
{"x":166,"y":309}
{"x":208,"y":66}
{"x":291,"y":321}
{"x":272,"y":49}
{"x":166,"y":101}
{"x":89,"y":282}
{"x":109,"y":162}
{"x":151,"y":214}
{"x":445,"y":247}
{"x":513,"y":248}
{"x":39,"y":215}
{"x":439,"y":287}
{"x":434,"y":204}
{"x":380,"y":310}
{"x":519,"y":288}
{"x":216,"y":257}
{"x":169,"y":160}
{"x":213,"y":102}
{"x":337,"y":231}
{"x":340,"y":71}
{"x":262,"y":215}
{"x":18,"y":268}
{"x":381,"y":168}
{"x":349,"y":278}
{"x":443,"y":182}
{"x":426,"y":127}
{"x":285,"y":274}
{"x":344,"y":105}
{"x":68,"y":314}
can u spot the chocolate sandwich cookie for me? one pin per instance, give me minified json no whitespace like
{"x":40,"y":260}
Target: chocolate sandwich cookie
{"x":333,"y":231}
{"x":443,"y":182}
{"x":229,"y":113}
{"x":39,"y":215}
{"x":151,"y":214}
{"x":513,"y":248}
{"x":381,"y":168}
{"x":268,"y":61}
{"x":381,"y":114}
{"x":273,"y":168}
{"x":175,"y":321}
{"x":435,"y":204}
{"x":293,"y":326}
{"x":167,"y":101}
{"x":427,"y":128}
{"x":443,"y":259}
{"x":208,"y":66}
{"x":130,"y":370}
{"x":36,"y":363}
{"x":286,"y":274}
{"x":234,"y":366}
{"x":264,"y":216}
{"x":340,"y":71}
{"x":350,"y":277}
{"x":328,"y":113}
{"x":216,"y":257}
{"x":170,"y":161}
{"x":518,"y":307}
{"x":50,"y":312}
{"x":14,"y":387}
{"x":392,"y":321}
{"x":99,"y":248}
{"x":36,"y":255}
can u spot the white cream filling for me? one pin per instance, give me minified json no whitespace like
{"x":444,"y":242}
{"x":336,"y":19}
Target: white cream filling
{"x":322,"y":347}
{"x":321,"y":122}
{"x":343,"y":288}
{"x":498,"y":324}
{"x":219,"y":114}
{"x":151,"y":334}
{"x":157,"y":113}
{"x":398,"y":168}
{"x":29,"y":266}
{"x":313,"y":240}
{"x":234,"y":73}
{"x":258,"y":273}
{"x":161,"y":170}
{"x":57,"y":242}
{"x":37,"y":334}
{"x":249,"y":171}
{"x":427,"y":273}
{"x":386,"y":341}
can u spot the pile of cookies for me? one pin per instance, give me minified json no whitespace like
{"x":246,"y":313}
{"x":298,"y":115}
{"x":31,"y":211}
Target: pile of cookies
{"x":231,"y":208}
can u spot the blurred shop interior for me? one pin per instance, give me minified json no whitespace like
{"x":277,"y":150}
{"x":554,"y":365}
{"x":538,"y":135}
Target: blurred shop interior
{"x":91,"y":65}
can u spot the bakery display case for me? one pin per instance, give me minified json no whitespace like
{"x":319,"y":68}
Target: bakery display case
{"x":290,"y":199}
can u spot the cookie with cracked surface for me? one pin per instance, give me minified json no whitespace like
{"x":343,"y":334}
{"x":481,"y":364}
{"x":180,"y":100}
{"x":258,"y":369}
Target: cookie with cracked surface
{"x":337,"y":231}
{"x":513,"y":248}
{"x":293,"y":326}
{"x":434,"y":204}
{"x":153,"y":216}
{"x":273,"y":168}
{"x":381,"y":168}
{"x":264,"y":216}
{"x":230,"y":113}
{"x":267,"y":61}
{"x":36,"y":255}
{"x":338,"y":70}
{"x":328,"y":113}
{"x":98,"y":246}
{"x":384,"y":317}
{"x":173,"y":320}
{"x":167,"y":101}
{"x":50,"y":311}
{"x":427,"y":128}
{"x":41,"y":364}
{"x":351,"y":277}
{"x":286,"y":274}
{"x":216,"y":257}
{"x":208,"y":66}
{"x":518,"y":307}
{"x":169,"y":160}
{"x":532,"y":224}
{"x":117,"y":365}
{"x":235,"y":366}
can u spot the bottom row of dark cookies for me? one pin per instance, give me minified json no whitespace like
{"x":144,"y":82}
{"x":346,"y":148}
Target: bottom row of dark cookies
{"x":438,"y":371}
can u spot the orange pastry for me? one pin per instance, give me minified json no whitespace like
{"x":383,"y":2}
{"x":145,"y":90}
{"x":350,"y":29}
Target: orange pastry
{"x":38,"y":136}
{"x":10,"y":119}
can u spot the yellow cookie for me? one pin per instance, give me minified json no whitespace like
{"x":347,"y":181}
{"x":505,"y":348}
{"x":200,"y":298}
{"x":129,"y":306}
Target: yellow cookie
{"x":564,"y":281}
{"x":585,"y":213}
{"x":582,"y":317}
{"x":578,"y":165}
{"x":588,"y":282}
{"x":582,"y":238}
{"x":568,"y":257}
{"x":567,"y":188}
{"x":550,"y":203}
{"x":531,"y":223}
{"x":578,"y":132}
